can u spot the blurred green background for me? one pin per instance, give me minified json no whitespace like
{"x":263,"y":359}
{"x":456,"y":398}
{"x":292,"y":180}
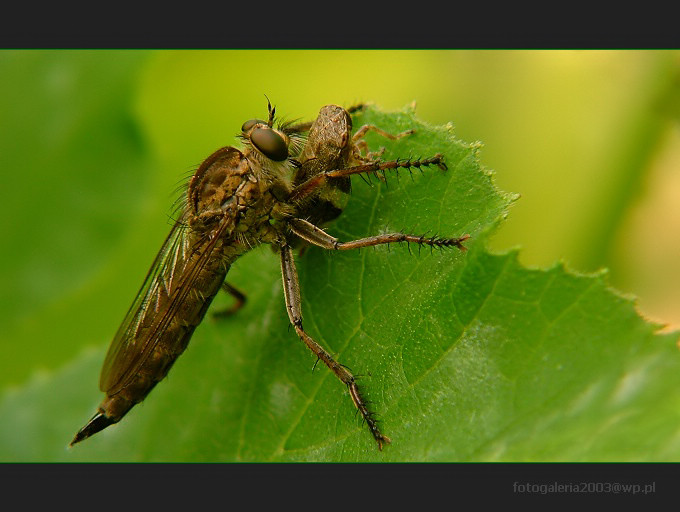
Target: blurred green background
{"x":94,"y":143}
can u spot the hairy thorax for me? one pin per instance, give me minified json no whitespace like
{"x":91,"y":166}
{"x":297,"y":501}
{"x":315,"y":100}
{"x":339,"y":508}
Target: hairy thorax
{"x":226,"y":192}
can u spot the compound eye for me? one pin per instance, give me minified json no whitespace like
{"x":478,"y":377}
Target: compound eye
{"x":249,"y":124}
{"x":270,"y":144}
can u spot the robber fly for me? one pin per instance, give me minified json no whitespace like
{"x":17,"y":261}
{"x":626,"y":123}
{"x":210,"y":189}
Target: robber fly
{"x":278,"y":190}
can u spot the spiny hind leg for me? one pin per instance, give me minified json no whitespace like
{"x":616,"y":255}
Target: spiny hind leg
{"x":291,"y":288}
{"x":317,"y":236}
{"x":315,"y":182}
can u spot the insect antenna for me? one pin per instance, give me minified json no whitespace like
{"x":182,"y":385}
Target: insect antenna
{"x":272,"y":112}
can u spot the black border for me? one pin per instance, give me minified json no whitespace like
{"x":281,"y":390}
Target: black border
{"x":348,"y":486}
{"x":296,"y":25}
{"x":319,"y":24}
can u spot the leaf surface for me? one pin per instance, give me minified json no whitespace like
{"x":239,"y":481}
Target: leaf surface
{"x":464,"y":356}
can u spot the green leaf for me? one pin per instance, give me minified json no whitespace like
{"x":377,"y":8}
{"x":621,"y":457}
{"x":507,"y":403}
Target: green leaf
{"x":74,"y":162}
{"x":464,"y":356}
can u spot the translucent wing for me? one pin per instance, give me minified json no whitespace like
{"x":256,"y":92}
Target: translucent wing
{"x":167,"y":286}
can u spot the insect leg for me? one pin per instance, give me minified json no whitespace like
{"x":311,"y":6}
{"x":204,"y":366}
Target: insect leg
{"x":291,"y":288}
{"x":356,"y":108}
{"x":299,"y":127}
{"x":371,"y":127}
{"x":317,"y":236}
{"x":360,"y":145}
{"x":312,"y":184}
{"x":240,"y":301}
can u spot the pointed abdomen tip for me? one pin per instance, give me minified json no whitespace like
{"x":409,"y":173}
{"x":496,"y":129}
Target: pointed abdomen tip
{"x":97,"y":423}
